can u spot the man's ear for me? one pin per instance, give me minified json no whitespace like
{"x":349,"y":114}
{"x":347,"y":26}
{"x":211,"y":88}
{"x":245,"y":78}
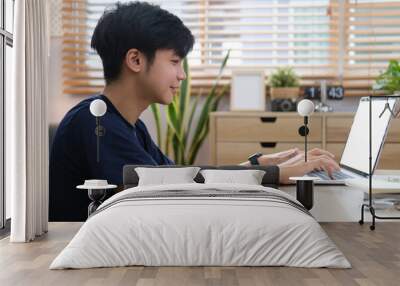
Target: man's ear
{"x":134,"y":60}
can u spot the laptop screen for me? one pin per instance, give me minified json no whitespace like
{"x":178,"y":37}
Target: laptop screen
{"x":356,"y":151}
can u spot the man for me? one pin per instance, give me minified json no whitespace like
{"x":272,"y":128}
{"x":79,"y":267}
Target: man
{"x":141,"y":47}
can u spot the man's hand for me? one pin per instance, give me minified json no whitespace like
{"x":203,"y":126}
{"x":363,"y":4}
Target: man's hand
{"x":292,"y":163}
{"x":313,"y":154}
{"x":278,"y":158}
{"x":317,"y":160}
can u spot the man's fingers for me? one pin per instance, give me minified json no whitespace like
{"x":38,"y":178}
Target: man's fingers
{"x":324,"y":152}
{"x":330,"y":172}
{"x":331,"y":162}
{"x":326,"y":164}
{"x":289,"y":153}
{"x":293,"y":153}
{"x":330,"y":168}
{"x":317,"y":151}
{"x":287,"y":156}
{"x":327,"y":170}
{"x":326,"y":159}
{"x":322,"y":166}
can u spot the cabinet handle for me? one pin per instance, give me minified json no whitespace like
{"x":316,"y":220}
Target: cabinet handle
{"x":268,"y":144}
{"x":268,"y":119}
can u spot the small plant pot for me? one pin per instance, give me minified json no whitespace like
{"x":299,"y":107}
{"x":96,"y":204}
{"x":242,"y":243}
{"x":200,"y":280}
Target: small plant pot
{"x":284,"y":92}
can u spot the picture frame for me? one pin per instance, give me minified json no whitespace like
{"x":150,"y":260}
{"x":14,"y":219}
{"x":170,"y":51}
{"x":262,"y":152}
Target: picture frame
{"x":248,"y":90}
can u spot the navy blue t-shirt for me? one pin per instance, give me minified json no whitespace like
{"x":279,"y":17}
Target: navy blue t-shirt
{"x":73,"y":157}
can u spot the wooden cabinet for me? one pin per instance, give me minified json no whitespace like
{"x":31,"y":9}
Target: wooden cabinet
{"x":265,"y":129}
{"x":237,"y":152}
{"x":338,"y":127}
{"x":236,"y":135}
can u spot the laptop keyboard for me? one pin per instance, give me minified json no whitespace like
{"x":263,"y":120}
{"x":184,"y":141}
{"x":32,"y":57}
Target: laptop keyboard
{"x":338,"y":175}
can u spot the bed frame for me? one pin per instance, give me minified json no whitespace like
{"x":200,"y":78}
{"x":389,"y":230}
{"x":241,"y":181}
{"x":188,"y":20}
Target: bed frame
{"x":270,"y":179}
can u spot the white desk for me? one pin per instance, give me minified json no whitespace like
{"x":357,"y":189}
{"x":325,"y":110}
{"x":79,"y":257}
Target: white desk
{"x":339,"y":203}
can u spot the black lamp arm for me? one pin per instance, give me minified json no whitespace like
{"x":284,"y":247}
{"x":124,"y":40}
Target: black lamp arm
{"x":305,"y":137}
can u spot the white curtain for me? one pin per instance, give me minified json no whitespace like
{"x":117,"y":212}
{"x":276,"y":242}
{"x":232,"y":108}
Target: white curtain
{"x":26,"y":123}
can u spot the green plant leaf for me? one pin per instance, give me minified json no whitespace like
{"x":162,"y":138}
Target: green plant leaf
{"x":202,"y":124}
{"x":283,"y":77}
{"x":173,"y":120}
{"x":175,"y":147}
{"x":202,"y":118}
{"x":157,"y":118}
{"x":205,"y":128}
{"x":179,"y":122}
{"x":389,"y":80}
{"x":192,"y":112}
{"x":196,"y":146}
{"x":177,"y":138}
{"x":184,"y":95}
{"x":168,"y":139}
{"x":219,"y":97}
{"x":224,"y":62}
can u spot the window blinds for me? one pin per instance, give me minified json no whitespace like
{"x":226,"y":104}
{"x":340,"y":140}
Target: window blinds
{"x":372,"y":39}
{"x":329,"y":39}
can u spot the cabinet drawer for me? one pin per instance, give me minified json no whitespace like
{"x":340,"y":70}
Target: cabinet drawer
{"x":275,"y":129}
{"x":389,"y":158}
{"x":336,"y":149}
{"x":338,"y":129}
{"x":238,"y":152}
{"x":394,"y":131}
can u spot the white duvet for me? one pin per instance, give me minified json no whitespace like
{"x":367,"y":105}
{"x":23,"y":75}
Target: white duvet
{"x":200,"y":231}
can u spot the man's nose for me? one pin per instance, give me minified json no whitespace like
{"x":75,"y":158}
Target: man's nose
{"x":181,"y":74}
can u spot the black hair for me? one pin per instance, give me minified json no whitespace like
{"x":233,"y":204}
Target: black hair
{"x":138,"y":25}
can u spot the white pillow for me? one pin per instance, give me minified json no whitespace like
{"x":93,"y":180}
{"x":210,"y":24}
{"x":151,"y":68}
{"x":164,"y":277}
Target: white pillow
{"x":164,"y":176}
{"x":248,"y":177}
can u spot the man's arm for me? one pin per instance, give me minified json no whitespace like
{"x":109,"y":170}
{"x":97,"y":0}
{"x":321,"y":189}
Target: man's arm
{"x":275,"y":158}
{"x":292,"y":163}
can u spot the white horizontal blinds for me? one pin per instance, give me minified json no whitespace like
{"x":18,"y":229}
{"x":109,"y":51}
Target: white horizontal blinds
{"x":82,"y":68}
{"x":373,"y":38}
{"x":268,"y":34}
{"x":261,"y":35}
{"x":193,"y":14}
{"x":80,"y":75}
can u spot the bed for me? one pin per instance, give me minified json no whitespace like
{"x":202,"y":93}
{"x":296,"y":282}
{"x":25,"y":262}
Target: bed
{"x":201,"y":224}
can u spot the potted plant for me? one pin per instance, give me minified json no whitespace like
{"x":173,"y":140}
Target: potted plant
{"x":284,"y":83}
{"x":389,"y":80}
{"x":182,"y":136}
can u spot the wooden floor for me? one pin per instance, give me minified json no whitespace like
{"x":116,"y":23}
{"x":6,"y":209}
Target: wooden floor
{"x":375,"y":257}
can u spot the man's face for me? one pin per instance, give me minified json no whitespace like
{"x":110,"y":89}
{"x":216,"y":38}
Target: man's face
{"x":162,"y":78}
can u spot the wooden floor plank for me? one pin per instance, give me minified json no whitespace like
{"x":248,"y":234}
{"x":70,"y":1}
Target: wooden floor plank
{"x":374,"y":255}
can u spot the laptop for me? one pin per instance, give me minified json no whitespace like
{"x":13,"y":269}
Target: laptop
{"x":354,"y":162}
